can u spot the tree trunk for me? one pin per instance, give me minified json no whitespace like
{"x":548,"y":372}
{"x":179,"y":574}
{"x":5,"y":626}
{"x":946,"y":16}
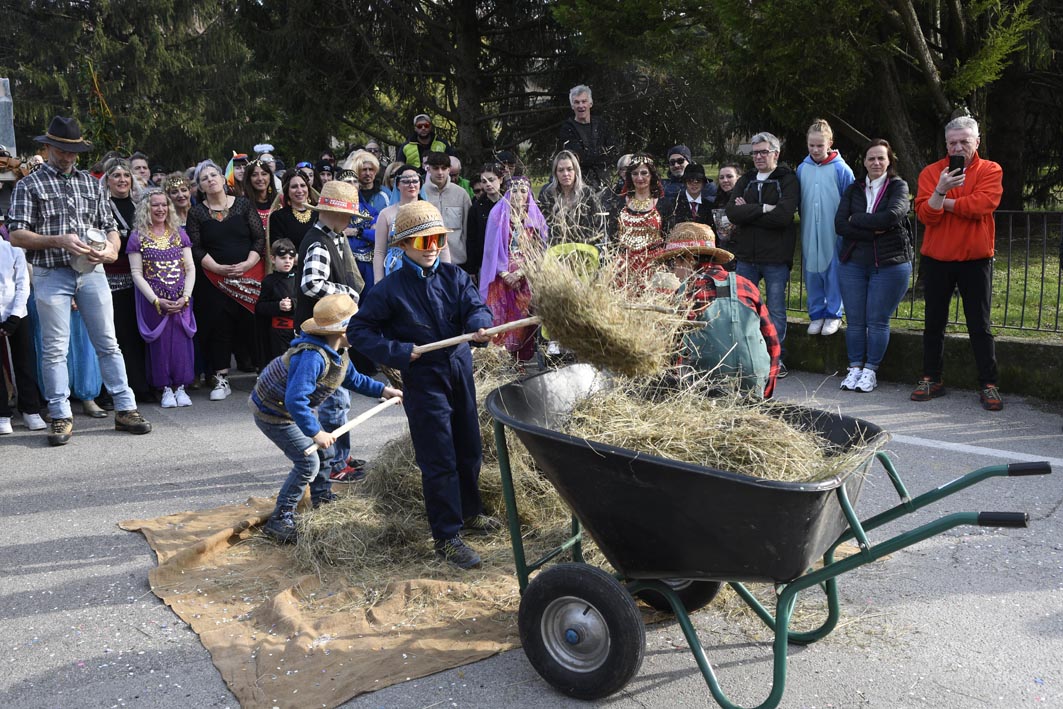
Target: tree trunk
{"x":473,"y":144}
{"x":1004,"y":133}
{"x":898,"y":123}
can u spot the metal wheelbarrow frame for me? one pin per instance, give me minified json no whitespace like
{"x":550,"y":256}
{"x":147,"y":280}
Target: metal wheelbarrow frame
{"x":580,"y":627}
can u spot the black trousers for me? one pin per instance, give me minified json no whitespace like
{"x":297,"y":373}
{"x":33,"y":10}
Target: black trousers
{"x":974,"y":281}
{"x":24,"y":357}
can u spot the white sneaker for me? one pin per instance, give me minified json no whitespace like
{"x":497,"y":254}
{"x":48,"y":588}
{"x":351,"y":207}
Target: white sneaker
{"x":221,"y":388}
{"x":849,"y":383}
{"x":168,"y":399}
{"x":5,"y":425}
{"x":868,"y":381}
{"x":815,"y":327}
{"x":182,"y":397}
{"x":34,"y":422}
{"x":830,"y":326}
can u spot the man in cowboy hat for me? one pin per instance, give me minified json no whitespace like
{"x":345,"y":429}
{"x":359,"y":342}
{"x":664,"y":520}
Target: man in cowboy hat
{"x":52,"y":211}
{"x":422,"y":302}
{"x":741,"y":340}
{"x":290,"y":387}
{"x":329,"y":268}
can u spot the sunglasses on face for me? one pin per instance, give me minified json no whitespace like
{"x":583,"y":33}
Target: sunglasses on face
{"x":281,"y":253}
{"x":410,"y":181}
{"x":423,"y":125}
{"x":677,"y":161}
{"x":425,"y":243}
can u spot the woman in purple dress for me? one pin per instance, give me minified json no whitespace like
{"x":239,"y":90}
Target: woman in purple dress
{"x":160,"y":258}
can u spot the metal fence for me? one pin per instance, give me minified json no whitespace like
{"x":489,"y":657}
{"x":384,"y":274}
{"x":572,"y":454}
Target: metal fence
{"x":1027,"y":276}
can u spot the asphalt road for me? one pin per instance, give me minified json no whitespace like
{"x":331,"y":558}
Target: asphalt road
{"x":972,"y":618}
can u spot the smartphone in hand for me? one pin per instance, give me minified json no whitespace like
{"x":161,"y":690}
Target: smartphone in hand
{"x":956,"y":163}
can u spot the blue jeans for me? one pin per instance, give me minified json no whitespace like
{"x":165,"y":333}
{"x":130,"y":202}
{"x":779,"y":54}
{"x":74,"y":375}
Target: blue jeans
{"x":870,"y":295}
{"x":305,"y":468}
{"x":776,"y":276}
{"x":332,"y":413}
{"x":54,"y":288}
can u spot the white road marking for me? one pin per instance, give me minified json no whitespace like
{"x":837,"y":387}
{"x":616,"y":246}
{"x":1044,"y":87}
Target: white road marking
{"x":977,"y":450}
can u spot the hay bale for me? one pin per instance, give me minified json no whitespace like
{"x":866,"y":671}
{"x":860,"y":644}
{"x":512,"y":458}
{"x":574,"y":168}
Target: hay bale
{"x":628,"y":330}
{"x":697,"y":424}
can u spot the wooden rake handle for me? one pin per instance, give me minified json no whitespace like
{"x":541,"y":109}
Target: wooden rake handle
{"x":361,"y":418}
{"x":451,"y":341}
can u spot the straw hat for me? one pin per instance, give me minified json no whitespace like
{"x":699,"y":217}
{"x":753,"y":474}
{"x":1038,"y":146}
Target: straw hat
{"x":337,"y":196}
{"x":693,"y":239}
{"x":416,"y":219}
{"x":331,"y":315}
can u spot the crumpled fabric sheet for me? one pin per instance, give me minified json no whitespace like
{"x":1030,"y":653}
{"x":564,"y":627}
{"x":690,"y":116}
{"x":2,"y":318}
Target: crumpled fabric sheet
{"x":284,"y":639}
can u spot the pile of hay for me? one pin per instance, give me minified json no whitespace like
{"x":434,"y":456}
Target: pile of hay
{"x":693,"y":423}
{"x":381,"y":533}
{"x":628,"y":330}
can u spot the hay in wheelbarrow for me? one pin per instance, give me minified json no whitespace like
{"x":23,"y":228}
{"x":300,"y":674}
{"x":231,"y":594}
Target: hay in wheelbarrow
{"x":379,"y":534}
{"x":626,"y":329}
{"x":695,"y":422}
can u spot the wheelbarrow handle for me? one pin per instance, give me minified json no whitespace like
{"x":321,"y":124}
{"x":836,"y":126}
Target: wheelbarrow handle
{"x":1003,"y":519}
{"x":361,"y":418}
{"x":467,"y":337}
{"x":1041,"y":467}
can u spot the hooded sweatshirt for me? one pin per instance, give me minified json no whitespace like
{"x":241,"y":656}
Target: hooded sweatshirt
{"x":822,"y":187}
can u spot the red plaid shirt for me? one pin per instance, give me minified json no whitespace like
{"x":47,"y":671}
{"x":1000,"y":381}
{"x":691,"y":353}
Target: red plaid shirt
{"x":701,"y":291}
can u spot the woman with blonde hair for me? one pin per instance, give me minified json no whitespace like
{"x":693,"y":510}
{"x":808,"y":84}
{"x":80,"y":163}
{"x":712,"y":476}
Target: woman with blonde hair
{"x":160,"y":260}
{"x":570,"y":206}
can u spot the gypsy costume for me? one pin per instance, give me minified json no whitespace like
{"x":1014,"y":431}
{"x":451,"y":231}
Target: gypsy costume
{"x":171,"y":358}
{"x":638,"y":238}
{"x":506,"y":248}
{"x":224,"y":306}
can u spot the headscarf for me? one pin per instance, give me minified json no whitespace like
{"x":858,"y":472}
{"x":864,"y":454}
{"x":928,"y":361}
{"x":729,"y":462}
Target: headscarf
{"x":497,"y":233}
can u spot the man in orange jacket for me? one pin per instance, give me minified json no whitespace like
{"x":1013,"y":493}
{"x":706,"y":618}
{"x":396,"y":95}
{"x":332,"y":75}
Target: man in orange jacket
{"x":956,"y":206}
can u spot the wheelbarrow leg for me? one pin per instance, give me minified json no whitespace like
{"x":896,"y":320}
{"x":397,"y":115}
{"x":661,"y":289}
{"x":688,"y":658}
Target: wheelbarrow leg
{"x":512,"y":518}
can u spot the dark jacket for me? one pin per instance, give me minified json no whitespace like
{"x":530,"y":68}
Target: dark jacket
{"x":765,"y":237}
{"x":676,"y":210}
{"x":880,"y":238}
{"x":475,"y":231}
{"x":596,"y":154}
{"x":580,"y":223}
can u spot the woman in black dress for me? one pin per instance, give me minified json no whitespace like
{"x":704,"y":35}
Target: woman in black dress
{"x":228,"y":242}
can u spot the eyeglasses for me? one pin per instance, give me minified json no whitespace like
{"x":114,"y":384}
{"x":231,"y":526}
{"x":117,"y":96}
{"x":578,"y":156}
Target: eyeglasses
{"x":283,"y":252}
{"x":760,"y":153}
{"x":677,"y":161}
{"x":422,"y":125}
{"x":426,"y":243}
{"x":410,"y":181}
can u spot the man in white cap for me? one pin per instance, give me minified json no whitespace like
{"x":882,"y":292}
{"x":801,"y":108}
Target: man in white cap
{"x":422,"y":141}
{"x":53,"y":210}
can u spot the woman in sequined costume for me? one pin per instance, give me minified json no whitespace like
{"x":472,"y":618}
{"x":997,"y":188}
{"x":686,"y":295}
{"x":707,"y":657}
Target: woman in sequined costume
{"x":639,"y":235}
{"x":514,"y":228}
{"x":160,"y":259}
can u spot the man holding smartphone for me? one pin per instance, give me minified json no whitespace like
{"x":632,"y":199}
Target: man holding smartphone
{"x":955,"y":202}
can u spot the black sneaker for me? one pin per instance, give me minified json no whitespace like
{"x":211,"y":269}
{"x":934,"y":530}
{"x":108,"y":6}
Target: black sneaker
{"x":60,"y":431}
{"x":353,"y":472}
{"x":324,"y":499}
{"x":458,"y":553}
{"x":131,"y":421}
{"x":482,"y":524}
{"x":281,"y":526}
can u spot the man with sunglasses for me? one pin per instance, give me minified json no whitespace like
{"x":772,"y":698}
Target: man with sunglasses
{"x":422,"y":141}
{"x":679,"y":157}
{"x":762,"y":207}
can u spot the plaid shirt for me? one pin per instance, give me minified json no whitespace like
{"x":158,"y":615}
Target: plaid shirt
{"x":317,"y":268}
{"x":702,"y":291}
{"x":51,"y":204}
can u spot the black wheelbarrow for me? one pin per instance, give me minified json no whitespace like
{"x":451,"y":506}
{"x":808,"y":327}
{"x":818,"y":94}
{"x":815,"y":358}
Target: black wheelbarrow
{"x":675,"y":531}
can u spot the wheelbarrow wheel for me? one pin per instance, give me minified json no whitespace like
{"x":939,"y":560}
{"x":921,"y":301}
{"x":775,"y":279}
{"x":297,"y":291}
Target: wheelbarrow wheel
{"x":694,"y":594}
{"x":581,"y":630}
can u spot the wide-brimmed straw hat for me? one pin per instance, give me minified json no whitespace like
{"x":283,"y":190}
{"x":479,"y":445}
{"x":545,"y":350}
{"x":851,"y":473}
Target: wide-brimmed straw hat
{"x":331,"y":315}
{"x":339,"y":197}
{"x":65,"y":134}
{"x":417,"y":219}
{"x":693,"y":239}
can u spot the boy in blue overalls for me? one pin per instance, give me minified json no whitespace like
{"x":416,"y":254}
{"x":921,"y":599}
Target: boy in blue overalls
{"x":422,"y":302}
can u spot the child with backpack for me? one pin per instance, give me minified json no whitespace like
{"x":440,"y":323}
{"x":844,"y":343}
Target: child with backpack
{"x":739,"y":338}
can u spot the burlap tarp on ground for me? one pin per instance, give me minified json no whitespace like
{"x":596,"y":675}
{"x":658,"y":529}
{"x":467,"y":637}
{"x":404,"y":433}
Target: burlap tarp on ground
{"x":281,"y":638}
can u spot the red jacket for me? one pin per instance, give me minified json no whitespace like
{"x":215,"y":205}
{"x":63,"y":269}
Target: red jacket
{"x":968,"y":232}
